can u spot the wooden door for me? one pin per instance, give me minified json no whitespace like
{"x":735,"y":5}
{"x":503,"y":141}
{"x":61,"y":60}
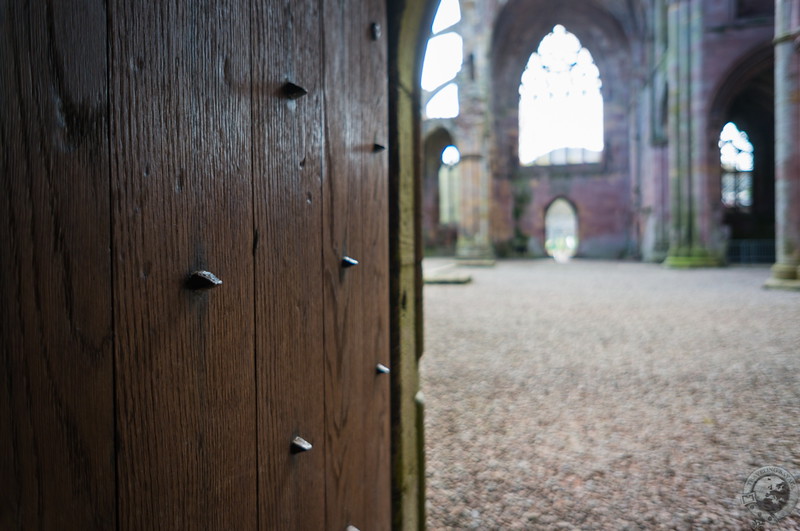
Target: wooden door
{"x":144,"y":142}
{"x":288,"y":176}
{"x":182,"y":202}
{"x":356,"y":299}
{"x":56,"y":329}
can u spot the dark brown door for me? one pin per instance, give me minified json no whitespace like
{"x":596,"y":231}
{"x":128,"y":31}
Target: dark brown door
{"x":57,"y":461}
{"x":355,"y":214}
{"x":147,"y":141}
{"x":182,"y":201}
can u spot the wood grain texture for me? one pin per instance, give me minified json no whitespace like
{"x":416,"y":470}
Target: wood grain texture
{"x":287,"y":163}
{"x":375,"y":287}
{"x":343,"y":219}
{"x":56,"y":385}
{"x":141,"y":142}
{"x":356,"y":300}
{"x":182,"y":201}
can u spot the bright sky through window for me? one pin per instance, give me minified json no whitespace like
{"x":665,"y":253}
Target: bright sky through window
{"x":451,"y":156}
{"x":736,"y":158}
{"x":560,"y":106}
{"x":443,"y":58}
{"x":442,"y":62}
{"x":448,"y":14}
{"x":735,"y":149}
{"x":443,"y":104}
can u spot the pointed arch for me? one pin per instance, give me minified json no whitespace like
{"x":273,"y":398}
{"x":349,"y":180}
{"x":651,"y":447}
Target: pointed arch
{"x":560,"y":103}
{"x":440,"y":193}
{"x":745,"y":96}
{"x":562,"y":235}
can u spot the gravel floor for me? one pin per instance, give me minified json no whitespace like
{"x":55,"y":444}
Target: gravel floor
{"x":607,"y":395}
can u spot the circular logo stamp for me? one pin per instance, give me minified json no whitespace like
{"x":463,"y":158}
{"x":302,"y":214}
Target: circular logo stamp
{"x":770,"y":493}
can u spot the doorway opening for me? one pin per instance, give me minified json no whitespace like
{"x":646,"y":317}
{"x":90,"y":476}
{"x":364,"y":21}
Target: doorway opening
{"x":744,"y":122}
{"x":441,"y":196}
{"x":603,"y":370}
{"x":561,"y":230}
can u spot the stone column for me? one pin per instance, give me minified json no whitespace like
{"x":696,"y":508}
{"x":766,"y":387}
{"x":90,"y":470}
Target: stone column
{"x":703,"y":225}
{"x":658,"y":219}
{"x":690,"y":222}
{"x":676,"y":124}
{"x":786,"y":270}
{"x":472,"y":126}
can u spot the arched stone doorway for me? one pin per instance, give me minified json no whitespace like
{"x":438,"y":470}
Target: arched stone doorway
{"x":561,"y":230}
{"x":746,"y":99}
{"x":407,"y":37}
{"x":440,"y":195}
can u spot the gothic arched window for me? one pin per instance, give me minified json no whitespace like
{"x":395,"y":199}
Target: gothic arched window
{"x":736,"y":157}
{"x":560,"y":104}
{"x":442,"y":62}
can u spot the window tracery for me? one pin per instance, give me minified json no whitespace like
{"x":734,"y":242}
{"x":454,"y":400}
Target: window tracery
{"x":442,"y":63}
{"x":561,"y":105}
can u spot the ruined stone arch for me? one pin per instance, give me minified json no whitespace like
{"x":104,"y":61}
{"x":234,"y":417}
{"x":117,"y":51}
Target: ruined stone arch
{"x":407,"y":34}
{"x":560,"y":105}
{"x":744,"y":95}
{"x":562,"y":228}
{"x":439,"y":229}
{"x":749,"y":68}
{"x":518,"y":30}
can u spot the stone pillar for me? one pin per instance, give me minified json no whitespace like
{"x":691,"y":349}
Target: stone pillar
{"x":703,"y":224}
{"x":690,"y":224}
{"x":653,"y":166}
{"x":678,"y":116}
{"x":472,"y":126}
{"x":786,"y":270}
{"x":473,"y":233}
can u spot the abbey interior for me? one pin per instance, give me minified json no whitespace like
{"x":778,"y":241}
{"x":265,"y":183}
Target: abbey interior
{"x":665,"y":131}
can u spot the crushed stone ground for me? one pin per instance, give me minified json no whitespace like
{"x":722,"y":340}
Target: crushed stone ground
{"x":607,"y":395}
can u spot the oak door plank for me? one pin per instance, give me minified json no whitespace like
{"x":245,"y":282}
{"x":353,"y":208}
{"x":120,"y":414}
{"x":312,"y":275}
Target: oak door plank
{"x":182,"y":188}
{"x":56,"y":379}
{"x":287,"y":167}
{"x":343,"y":222}
{"x":356,"y":299}
{"x":375,"y":286}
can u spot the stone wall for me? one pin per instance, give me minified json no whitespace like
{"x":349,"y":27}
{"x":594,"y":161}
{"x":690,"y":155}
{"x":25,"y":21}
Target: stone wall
{"x":657,"y":189}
